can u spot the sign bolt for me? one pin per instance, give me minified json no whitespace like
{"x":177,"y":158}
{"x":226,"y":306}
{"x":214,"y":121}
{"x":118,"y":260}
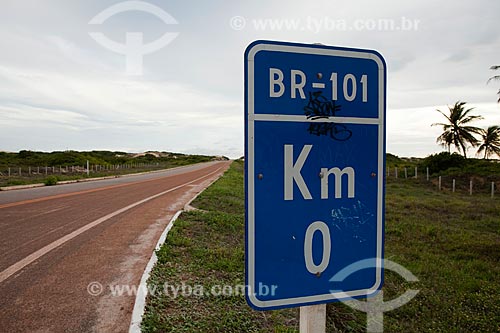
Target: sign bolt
{"x":260,"y":176}
{"x":318,"y":274}
{"x":319,"y":76}
{"x":373,"y":174}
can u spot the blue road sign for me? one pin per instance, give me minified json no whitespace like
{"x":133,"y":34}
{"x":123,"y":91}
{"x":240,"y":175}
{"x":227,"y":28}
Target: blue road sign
{"x":314,"y":173}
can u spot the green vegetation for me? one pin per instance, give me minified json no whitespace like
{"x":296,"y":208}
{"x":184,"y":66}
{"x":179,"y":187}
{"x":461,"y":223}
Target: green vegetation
{"x":457,"y":130}
{"x":70,"y":165}
{"x":27,"y":158}
{"x":206,"y":248}
{"x":491,"y":142}
{"x":443,"y":161}
{"x":50,"y":180}
{"x":446,"y":164}
{"x":451,"y":242}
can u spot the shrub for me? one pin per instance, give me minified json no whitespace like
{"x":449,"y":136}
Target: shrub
{"x":443,"y":161}
{"x":50,"y":180}
{"x":393,"y":160}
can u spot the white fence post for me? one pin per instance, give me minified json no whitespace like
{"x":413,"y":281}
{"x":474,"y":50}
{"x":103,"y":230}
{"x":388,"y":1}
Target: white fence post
{"x":396,"y":171}
{"x":439,"y":183}
{"x":406,"y":173}
{"x":453,"y":185}
{"x":416,"y":172}
{"x":492,"y":189}
{"x":470,"y":187}
{"x":9,"y":172}
{"x":427,"y":169}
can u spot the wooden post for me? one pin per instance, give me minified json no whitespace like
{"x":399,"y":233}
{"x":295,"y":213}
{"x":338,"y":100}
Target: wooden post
{"x":492,"y":189}
{"x":416,"y":172}
{"x":313,"y":318}
{"x":20,"y":171}
{"x":470,"y":187}
{"x":427,"y":169}
{"x":88,"y":171}
{"x":9,"y":172}
{"x":406,"y":173}
{"x":439,"y":183}
{"x":396,"y":171}
{"x":453,"y":185}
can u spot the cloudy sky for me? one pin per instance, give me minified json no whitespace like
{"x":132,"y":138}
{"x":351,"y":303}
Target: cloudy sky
{"x":60,"y":89}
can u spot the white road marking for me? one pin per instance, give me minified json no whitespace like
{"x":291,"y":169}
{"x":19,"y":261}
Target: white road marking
{"x":140,"y":298}
{"x":46,"y":249}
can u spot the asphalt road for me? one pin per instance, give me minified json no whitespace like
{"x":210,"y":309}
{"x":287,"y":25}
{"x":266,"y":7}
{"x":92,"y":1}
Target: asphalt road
{"x":57,"y":241}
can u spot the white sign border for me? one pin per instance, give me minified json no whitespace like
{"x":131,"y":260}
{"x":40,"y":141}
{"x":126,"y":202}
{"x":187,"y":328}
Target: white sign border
{"x":252,"y":117}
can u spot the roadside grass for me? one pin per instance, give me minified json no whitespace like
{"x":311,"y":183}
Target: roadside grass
{"x":449,"y":241}
{"x":41,"y":178}
{"x":206,"y":248}
{"x":29,"y":167}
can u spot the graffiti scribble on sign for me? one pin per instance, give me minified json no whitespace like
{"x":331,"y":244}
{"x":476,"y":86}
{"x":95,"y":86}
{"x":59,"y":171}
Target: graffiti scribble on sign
{"x":319,"y":107}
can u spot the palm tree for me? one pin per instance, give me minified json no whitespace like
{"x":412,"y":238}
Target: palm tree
{"x":456,"y":131}
{"x":490,"y":141}
{"x":495,"y":77}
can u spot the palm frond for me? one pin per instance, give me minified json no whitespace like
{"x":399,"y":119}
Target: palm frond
{"x":447,"y":117}
{"x":490,"y":141}
{"x":441,"y":124}
{"x":456,"y":132}
{"x":493,"y":78}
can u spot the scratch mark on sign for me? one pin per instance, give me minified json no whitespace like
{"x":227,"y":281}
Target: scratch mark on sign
{"x":352,"y":218}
